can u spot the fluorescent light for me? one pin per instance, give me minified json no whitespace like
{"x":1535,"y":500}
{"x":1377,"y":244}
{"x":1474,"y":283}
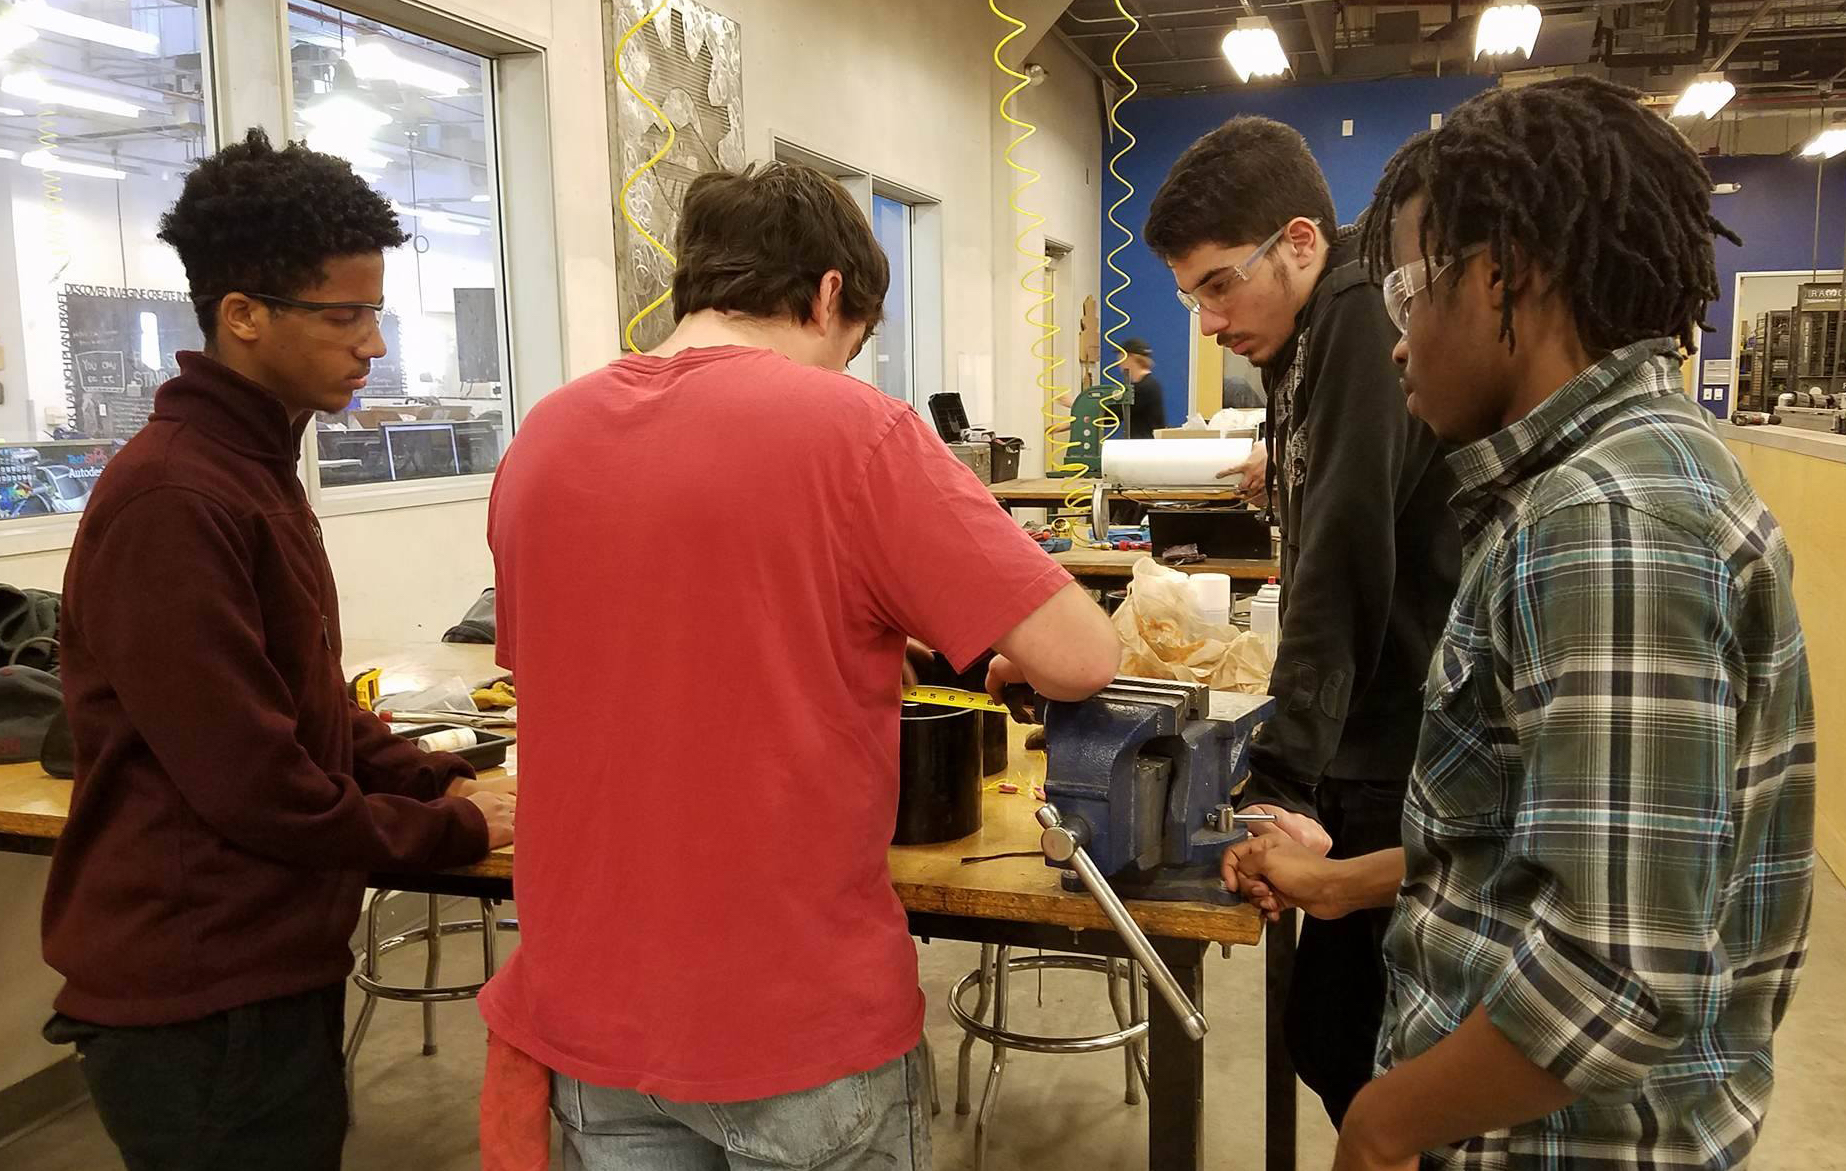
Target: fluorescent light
{"x":353,"y":145}
{"x":480,"y":199}
{"x":1254,"y":50}
{"x":1505,"y":29}
{"x":435,"y":221}
{"x":44,"y":160}
{"x":1707,"y":94}
{"x":1826,"y":144}
{"x":15,"y":33}
{"x":10,"y":112}
{"x":373,"y":60}
{"x":55,"y":20}
{"x":50,"y":93}
{"x":8,"y":154}
{"x":343,"y":110}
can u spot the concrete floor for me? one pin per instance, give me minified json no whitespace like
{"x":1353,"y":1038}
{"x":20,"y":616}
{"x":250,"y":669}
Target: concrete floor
{"x":419,"y":1111}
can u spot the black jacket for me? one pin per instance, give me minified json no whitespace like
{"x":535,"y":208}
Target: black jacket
{"x":1149,"y":409}
{"x":1370,"y":550}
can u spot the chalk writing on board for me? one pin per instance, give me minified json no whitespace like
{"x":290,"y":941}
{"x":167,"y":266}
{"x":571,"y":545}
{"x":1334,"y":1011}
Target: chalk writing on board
{"x":102,"y":370}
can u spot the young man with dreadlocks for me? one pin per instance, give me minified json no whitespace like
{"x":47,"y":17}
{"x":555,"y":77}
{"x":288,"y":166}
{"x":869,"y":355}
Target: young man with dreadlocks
{"x":1370,"y":553}
{"x":1602,"y":897}
{"x":230,"y":796}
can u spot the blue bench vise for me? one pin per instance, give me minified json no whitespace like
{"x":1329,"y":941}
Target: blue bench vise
{"x":1139,"y":778}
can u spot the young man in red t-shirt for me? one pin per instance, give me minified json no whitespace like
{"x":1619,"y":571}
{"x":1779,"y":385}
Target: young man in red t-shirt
{"x":708,"y":559}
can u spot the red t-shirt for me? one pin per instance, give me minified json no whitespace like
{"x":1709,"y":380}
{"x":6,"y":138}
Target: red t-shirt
{"x":707,"y":565}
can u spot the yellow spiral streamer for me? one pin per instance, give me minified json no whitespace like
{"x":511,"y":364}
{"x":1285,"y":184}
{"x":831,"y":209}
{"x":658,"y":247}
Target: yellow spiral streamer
{"x":628,"y":334}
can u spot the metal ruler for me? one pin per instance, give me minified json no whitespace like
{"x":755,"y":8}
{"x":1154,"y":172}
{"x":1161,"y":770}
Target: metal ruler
{"x":952,"y":697}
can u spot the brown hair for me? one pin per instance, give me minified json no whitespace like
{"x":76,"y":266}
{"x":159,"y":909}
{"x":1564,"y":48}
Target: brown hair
{"x":759,"y":242}
{"x":1237,"y":185}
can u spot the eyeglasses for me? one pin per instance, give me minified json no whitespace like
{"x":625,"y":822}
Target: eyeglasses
{"x":334,"y":321}
{"x":1401,"y":285}
{"x":1211,"y":292}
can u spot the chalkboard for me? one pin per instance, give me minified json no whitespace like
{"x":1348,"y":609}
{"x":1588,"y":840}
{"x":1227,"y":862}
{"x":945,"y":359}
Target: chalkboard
{"x":109,"y":337}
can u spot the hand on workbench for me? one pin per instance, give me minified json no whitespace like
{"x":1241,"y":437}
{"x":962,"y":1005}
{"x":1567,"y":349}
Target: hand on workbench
{"x":497,"y":808}
{"x":1273,"y":872}
{"x":506,"y":784}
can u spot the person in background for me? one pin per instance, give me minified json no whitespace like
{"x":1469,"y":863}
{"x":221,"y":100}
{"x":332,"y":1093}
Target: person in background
{"x":1148,"y":409}
{"x":1603,"y":893}
{"x":1369,"y":551}
{"x":230,"y":796}
{"x":713,"y":966}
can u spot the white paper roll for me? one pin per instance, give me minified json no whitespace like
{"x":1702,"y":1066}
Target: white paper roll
{"x":448,"y":741}
{"x":1170,"y":462}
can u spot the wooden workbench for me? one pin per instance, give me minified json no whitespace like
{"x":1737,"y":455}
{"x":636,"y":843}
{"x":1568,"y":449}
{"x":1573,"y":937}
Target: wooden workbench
{"x":1052,"y":493}
{"x":1017,"y":902}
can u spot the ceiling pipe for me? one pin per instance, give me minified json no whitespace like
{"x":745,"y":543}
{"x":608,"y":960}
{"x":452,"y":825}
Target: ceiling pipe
{"x":1692,"y":56}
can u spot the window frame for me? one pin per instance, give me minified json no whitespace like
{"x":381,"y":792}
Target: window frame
{"x":249,"y":82}
{"x":924,"y":265}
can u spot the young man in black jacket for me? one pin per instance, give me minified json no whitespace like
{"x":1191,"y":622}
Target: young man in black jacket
{"x":1370,"y":553}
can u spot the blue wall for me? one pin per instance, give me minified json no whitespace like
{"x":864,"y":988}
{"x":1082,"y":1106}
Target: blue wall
{"x":1774,"y":213}
{"x":1384,"y":114}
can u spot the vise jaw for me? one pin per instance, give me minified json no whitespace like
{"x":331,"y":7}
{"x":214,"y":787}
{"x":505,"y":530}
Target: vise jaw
{"x":1141,"y":775}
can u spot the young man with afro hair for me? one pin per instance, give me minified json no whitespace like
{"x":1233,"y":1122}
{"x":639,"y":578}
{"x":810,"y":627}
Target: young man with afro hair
{"x":230,"y":797}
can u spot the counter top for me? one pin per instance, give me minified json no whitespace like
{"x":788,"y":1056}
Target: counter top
{"x":1818,"y":444}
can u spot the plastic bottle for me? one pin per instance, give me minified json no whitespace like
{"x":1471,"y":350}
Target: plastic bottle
{"x":1266,"y":615}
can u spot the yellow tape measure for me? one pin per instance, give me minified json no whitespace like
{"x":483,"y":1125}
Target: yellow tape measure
{"x":952,"y":697}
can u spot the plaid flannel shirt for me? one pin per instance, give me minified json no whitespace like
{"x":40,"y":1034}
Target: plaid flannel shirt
{"x":1609,"y":832}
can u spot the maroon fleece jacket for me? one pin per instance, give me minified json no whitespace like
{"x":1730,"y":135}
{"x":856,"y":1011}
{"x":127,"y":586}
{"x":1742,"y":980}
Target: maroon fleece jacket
{"x":229,"y":797}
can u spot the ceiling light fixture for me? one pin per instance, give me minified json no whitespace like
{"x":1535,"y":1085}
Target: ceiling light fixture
{"x":44,"y":160}
{"x":45,"y":18}
{"x":373,"y":60}
{"x":1504,"y":29}
{"x":1707,"y":94}
{"x":15,"y":33}
{"x":343,"y":111}
{"x":351,"y":144}
{"x":1828,"y":143}
{"x":435,"y":221}
{"x":1254,"y":50}
{"x":50,"y":93}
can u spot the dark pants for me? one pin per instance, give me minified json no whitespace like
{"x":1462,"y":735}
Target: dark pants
{"x":1336,"y":998}
{"x":261,"y":1086}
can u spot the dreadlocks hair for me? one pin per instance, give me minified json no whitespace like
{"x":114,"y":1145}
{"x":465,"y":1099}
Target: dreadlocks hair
{"x":254,"y":219}
{"x":1576,"y":178}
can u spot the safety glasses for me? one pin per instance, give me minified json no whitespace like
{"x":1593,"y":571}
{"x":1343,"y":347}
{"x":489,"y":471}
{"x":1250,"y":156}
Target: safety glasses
{"x":1211,"y":292}
{"x":349,"y":322}
{"x":1401,"y":285}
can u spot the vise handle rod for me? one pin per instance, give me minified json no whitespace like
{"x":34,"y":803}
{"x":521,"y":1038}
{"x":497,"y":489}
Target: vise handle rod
{"x":1062,"y":844}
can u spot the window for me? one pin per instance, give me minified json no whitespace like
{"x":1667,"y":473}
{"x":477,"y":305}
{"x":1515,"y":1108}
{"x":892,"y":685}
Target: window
{"x":102,"y":112}
{"x":415,"y":117}
{"x":894,"y":343}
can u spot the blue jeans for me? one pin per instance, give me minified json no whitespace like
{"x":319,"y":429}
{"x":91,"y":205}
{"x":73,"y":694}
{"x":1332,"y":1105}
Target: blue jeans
{"x":876,"y":1119}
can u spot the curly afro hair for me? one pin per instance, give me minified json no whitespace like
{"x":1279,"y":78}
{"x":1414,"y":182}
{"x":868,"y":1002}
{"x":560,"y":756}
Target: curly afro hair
{"x":254,"y":219}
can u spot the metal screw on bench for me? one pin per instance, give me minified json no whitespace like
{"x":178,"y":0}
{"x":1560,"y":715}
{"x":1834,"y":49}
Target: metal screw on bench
{"x":1062,"y":844}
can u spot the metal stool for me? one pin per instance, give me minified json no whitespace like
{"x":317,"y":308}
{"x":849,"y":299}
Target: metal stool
{"x":431,"y":993}
{"x":994,"y":977}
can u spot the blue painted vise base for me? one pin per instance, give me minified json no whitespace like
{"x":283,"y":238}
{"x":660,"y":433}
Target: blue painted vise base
{"x":1142,"y":782}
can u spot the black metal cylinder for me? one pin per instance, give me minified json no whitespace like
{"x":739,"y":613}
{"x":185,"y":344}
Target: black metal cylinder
{"x":939,"y":774}
{"x":993,"y":743}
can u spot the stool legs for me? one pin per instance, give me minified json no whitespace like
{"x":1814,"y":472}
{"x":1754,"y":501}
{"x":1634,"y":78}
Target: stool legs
{"x":368,"y":964}
{"x":432,"y":970}
{"x":1124,"y":1016}
{"x":967,"y":1042}
{"x":990,"y":1097}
